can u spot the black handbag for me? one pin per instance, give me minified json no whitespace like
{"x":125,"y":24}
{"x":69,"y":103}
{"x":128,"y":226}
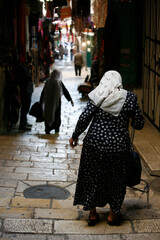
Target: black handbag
{"x":133,"y":167}
{"x":36,"y":111}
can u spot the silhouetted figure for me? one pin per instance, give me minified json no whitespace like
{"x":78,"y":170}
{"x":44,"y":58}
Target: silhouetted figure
{"x":78,"y":63}
{"x":24,"y":74}
{"x":51,"y":101}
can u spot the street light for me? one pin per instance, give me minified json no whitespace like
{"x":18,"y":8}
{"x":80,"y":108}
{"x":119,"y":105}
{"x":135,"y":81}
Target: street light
{"x":83,"y":44}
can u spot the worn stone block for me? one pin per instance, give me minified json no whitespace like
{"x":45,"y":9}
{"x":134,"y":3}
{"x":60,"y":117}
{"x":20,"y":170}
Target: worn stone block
{"x":59,"y":184}
{"x":33,"y":170}
{"x":72,"y":178}
{"x":154,"y":168}
{"x":65,"y":214}
{"x":141,"y":236}
{"x":28,"y":226}
{"x":30,"y":202}
{"x":21,"y":157}
{"x":140,"y":214}
{"x":4,"y":202}
{"x":62,"y":204}
{"x":2,"y":162}
{"x":41,"y":159}
{"x":21,"y":187}
{"x":39,"y":154}
{"x":51,"y":165}
{"x":15,"y":213}
{"x":8,"y":183}
{"x":74,"y":156}
{"x":33,"y":183}
{"x":14,"y":176}
{"x":17,"y":236}
{"x":27,"y":148}
{"x":71,"y":188}
{"x":48,"y":149}
{"x":81,"y":227}
{"x":6,"y":156}
{"x":65,"y":172}
{"x":55,"y":237}
{"x":6,"y":169}
{"x":60,"y":160}
{"x":145,"y":226}
{"x":56,"y":146}
{"x":9,"y":147}
{"x":18,"y":164}
{"x":94,"y":237}
{"x":47,"y":177}
{"x":39,"y":139}
{"x":61,"y":150}
{"x":58,"y":155}
{"x":6,"y":192}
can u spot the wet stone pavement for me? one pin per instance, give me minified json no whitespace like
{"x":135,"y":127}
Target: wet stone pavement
{"x":32,"y":158}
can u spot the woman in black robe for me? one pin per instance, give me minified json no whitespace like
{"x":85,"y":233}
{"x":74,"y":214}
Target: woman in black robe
{"x":51,"y":101}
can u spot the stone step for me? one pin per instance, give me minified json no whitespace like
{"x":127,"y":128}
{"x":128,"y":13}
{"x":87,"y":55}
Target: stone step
{"x":147,"y":143}
{"x":78,"y":227}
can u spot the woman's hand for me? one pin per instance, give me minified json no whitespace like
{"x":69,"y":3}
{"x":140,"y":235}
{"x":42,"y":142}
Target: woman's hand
{"x":72,"y":103}
{"x":73,"y":143}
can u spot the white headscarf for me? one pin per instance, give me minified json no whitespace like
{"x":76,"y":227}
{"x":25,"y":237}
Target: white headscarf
{"x":109,"y":95}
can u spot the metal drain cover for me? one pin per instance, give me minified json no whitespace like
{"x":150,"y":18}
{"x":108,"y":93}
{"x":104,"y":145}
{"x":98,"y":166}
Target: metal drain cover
{"x":46,"y":192}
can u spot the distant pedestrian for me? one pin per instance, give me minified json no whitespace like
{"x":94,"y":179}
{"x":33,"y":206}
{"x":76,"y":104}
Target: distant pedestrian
{"x":78,"y":63}
{"x":71,"y":53}
{"x":66,"y":52}
{"x":61,"y":51}
{"x":24,"y":77}
{"x":51,"y":101}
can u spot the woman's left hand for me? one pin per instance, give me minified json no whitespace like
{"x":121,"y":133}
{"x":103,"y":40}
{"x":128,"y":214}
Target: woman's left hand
{"x":72,"y":103}
{"x":73,"y":143}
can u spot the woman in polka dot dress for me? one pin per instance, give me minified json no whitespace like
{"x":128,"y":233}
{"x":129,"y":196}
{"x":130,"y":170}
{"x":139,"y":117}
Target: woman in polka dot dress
{"x":106,"y":146}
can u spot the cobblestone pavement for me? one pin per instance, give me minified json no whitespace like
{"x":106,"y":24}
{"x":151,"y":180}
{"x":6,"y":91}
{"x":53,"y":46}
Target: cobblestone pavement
{"x":33,"y":158}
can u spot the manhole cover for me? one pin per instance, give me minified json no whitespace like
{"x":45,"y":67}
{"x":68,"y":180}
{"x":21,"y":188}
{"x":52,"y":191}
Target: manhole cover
{"x":46,"y":192}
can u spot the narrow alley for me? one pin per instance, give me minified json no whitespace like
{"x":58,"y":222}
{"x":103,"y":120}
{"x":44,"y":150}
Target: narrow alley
{"x":32,"y":158}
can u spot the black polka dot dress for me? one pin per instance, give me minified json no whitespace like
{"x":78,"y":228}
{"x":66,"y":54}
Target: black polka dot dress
{"x":106,"y":148}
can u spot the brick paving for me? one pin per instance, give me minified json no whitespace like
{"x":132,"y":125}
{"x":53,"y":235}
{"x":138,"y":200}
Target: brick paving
{"x":33,"y":158}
